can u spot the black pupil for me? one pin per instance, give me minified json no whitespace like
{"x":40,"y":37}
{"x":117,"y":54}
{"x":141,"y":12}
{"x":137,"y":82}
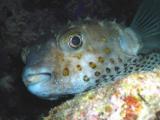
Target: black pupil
{"x":76,"y":40}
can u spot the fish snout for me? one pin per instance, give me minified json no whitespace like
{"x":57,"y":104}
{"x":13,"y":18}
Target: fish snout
{"x":33,"y":75}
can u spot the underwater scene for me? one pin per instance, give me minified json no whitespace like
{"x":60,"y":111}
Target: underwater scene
{"x":80,"y":60}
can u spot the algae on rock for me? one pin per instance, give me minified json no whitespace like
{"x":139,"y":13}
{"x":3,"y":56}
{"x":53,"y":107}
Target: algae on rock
{"x":135,"y":97}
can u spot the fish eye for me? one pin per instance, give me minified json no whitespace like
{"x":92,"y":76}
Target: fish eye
{"x":75,"y":41}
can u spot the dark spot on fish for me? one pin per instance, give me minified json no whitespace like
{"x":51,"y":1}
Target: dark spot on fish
{"x":145,"y":62}
{"x":137,"y":65}
{"x":152,"y":58}
{"x":116,"y":68}
{"x":142,"y":66}
{"x":86,"y":78}
{"x":125,"y":65}
{"x":149,"y":66}
{"x":136,"y":69}
{"x":153,"y":63}
{"x":104,"y":76}
{"x":111,"y":77}
{"x":129,"y":71}
{"x":97,"y":73}
{"x":135,"y":60}
{"x":108,"y":70}
{"x":131,"y":68}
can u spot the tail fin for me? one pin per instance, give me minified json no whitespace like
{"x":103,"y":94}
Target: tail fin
{"x":147,"y":25}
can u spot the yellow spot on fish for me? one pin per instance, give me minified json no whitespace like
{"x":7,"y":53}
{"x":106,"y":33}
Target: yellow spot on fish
{"x":92,"y":65}
{"x":79,"y":68}
{"x":65,"y":71}
{"x":97,"y":73}
{"x":86,"y":78}
{"x":107,"y":50}
{"x":100,"y":59}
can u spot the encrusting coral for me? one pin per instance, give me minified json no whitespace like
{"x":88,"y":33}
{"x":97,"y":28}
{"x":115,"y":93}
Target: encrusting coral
{"x":135,"y":97}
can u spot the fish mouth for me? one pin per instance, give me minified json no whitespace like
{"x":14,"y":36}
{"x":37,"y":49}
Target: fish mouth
{"x":33,"y":76}
{"x":39,"y":81}
{"x":31,"y":79}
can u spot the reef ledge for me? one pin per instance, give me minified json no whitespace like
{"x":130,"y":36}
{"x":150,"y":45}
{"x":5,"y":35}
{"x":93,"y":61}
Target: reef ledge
{"x":135,"y":97}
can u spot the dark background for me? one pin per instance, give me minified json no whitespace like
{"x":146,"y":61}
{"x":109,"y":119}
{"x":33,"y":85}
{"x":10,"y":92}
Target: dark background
{"x":27,"y":22}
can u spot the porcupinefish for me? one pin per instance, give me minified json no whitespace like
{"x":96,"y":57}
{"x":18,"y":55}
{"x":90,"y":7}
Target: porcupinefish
{"x":90,"y":52}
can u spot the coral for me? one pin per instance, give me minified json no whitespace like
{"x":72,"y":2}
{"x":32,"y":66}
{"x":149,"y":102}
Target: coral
{"x":135,"y":97}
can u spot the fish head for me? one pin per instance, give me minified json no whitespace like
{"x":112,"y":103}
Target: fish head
{"x":69,"y":64}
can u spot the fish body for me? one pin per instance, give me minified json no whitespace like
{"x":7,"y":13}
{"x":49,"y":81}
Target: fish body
{"x":84,"y":55}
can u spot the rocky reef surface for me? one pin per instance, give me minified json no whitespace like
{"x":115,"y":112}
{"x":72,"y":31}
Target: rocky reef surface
{"x":135,"y":97}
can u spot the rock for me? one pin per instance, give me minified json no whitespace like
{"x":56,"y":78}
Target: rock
{"x":6,"y":83}
{"x":135,"y":97}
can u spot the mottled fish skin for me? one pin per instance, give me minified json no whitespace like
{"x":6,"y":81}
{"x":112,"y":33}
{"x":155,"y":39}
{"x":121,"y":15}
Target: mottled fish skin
{"x":140,"y":63}
{"x":84,"y":54}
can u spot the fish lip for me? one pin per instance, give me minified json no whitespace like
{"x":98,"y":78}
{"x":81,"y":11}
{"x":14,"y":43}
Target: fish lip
{"x":34,"y":78}
{"x":45,"y":73}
